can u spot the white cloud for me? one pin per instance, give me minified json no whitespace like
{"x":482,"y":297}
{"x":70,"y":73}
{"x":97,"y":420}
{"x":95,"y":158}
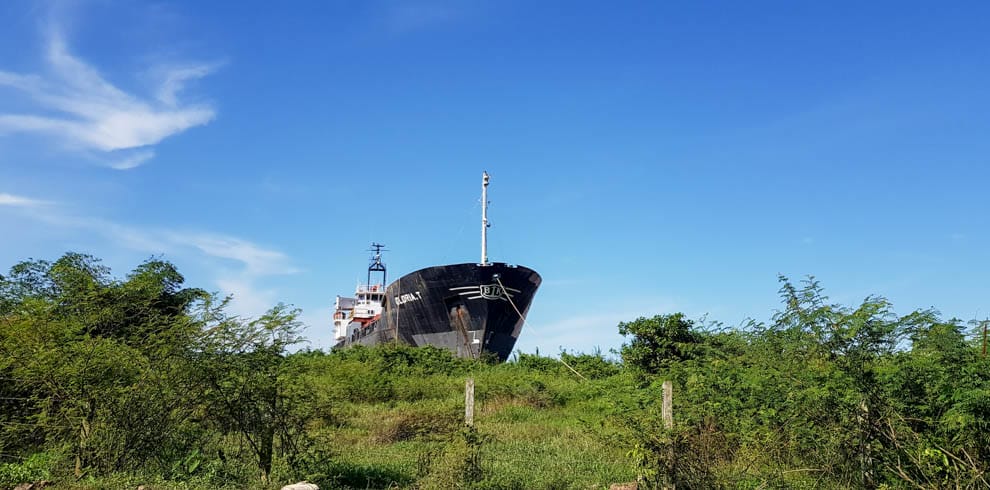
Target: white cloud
{"x":84,"y":111}
{"x":251,"y":263}
{"x":133,"y":160}
{"x":248,"y":300}
{"x":255,"y":259}
{"x":239,"y":273}
{"x":19,"y":201}
{"x":174,"y":80}
{"x":236,"y":266}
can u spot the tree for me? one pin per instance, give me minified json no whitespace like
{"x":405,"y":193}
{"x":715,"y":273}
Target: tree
{"x":658,"y":342}
{"x":243,"y":364}
{"x":97,"y":362}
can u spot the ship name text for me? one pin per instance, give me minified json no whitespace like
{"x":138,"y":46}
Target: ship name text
{"x":407,"y":297}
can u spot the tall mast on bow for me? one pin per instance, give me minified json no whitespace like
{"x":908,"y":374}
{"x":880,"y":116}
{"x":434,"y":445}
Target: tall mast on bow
{"x":484,"y":218}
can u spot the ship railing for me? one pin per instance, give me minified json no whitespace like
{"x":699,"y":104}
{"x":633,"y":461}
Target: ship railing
{"x":374,"y":288}
{"x":367,"y":313}
{"x":384,"y":334}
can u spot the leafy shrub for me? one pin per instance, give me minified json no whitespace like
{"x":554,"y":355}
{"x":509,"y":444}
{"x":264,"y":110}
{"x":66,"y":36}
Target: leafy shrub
{"x":591,"y":366}
{"x":536,"y":362}
{"x":35,"y":468}
{"x":460,"y":464}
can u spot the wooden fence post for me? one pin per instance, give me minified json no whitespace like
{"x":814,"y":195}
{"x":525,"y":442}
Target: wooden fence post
{"x":668,"y":405}
{"x":469,"y":402}
{"x":667,"y":414}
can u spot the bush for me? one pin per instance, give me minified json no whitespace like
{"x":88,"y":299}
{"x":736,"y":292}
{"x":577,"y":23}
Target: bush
{"x":460,"y":464}
{"x":35,"y":468}
{"x":591,"y":366}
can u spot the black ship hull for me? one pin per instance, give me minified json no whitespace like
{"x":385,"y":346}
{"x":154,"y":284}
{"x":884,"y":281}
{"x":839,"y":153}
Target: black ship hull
{"x":469,"y":309}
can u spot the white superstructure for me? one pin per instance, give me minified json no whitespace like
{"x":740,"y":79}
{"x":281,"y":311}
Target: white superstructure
{"x":350,"y":314}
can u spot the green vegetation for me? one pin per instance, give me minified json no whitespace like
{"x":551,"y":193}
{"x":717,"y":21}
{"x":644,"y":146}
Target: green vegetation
{"x":115,"y":383}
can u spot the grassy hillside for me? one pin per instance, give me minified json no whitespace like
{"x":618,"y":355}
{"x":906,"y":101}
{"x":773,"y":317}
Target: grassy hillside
{"x":115,"y":383}
{"x":400,"y":421}
{"x":393,"y":417}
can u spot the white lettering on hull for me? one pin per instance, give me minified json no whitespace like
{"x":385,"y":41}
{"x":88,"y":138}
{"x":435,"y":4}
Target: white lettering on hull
{"x":407,"y":297}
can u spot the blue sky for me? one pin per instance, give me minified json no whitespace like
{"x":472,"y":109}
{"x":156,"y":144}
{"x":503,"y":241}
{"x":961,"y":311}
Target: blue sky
{"x":646,"y":157}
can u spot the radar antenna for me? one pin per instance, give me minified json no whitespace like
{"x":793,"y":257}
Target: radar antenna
{"x":376,"y":261}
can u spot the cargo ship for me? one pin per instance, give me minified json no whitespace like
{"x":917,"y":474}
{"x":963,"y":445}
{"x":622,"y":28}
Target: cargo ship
{"x":472,"y":309}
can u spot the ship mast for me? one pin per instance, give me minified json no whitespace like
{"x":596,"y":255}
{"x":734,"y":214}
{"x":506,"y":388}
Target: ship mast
{"x":484,"y":218}
{"x":376,"y":262}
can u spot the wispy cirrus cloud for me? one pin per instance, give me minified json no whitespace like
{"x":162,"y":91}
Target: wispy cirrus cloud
{"x":133,"y":160}
{"x":257,"y":261}
{"x":20,"y":201}
{"x":173,"y":81}
{"x":77,"y":106}
{"x":237,"y":267}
